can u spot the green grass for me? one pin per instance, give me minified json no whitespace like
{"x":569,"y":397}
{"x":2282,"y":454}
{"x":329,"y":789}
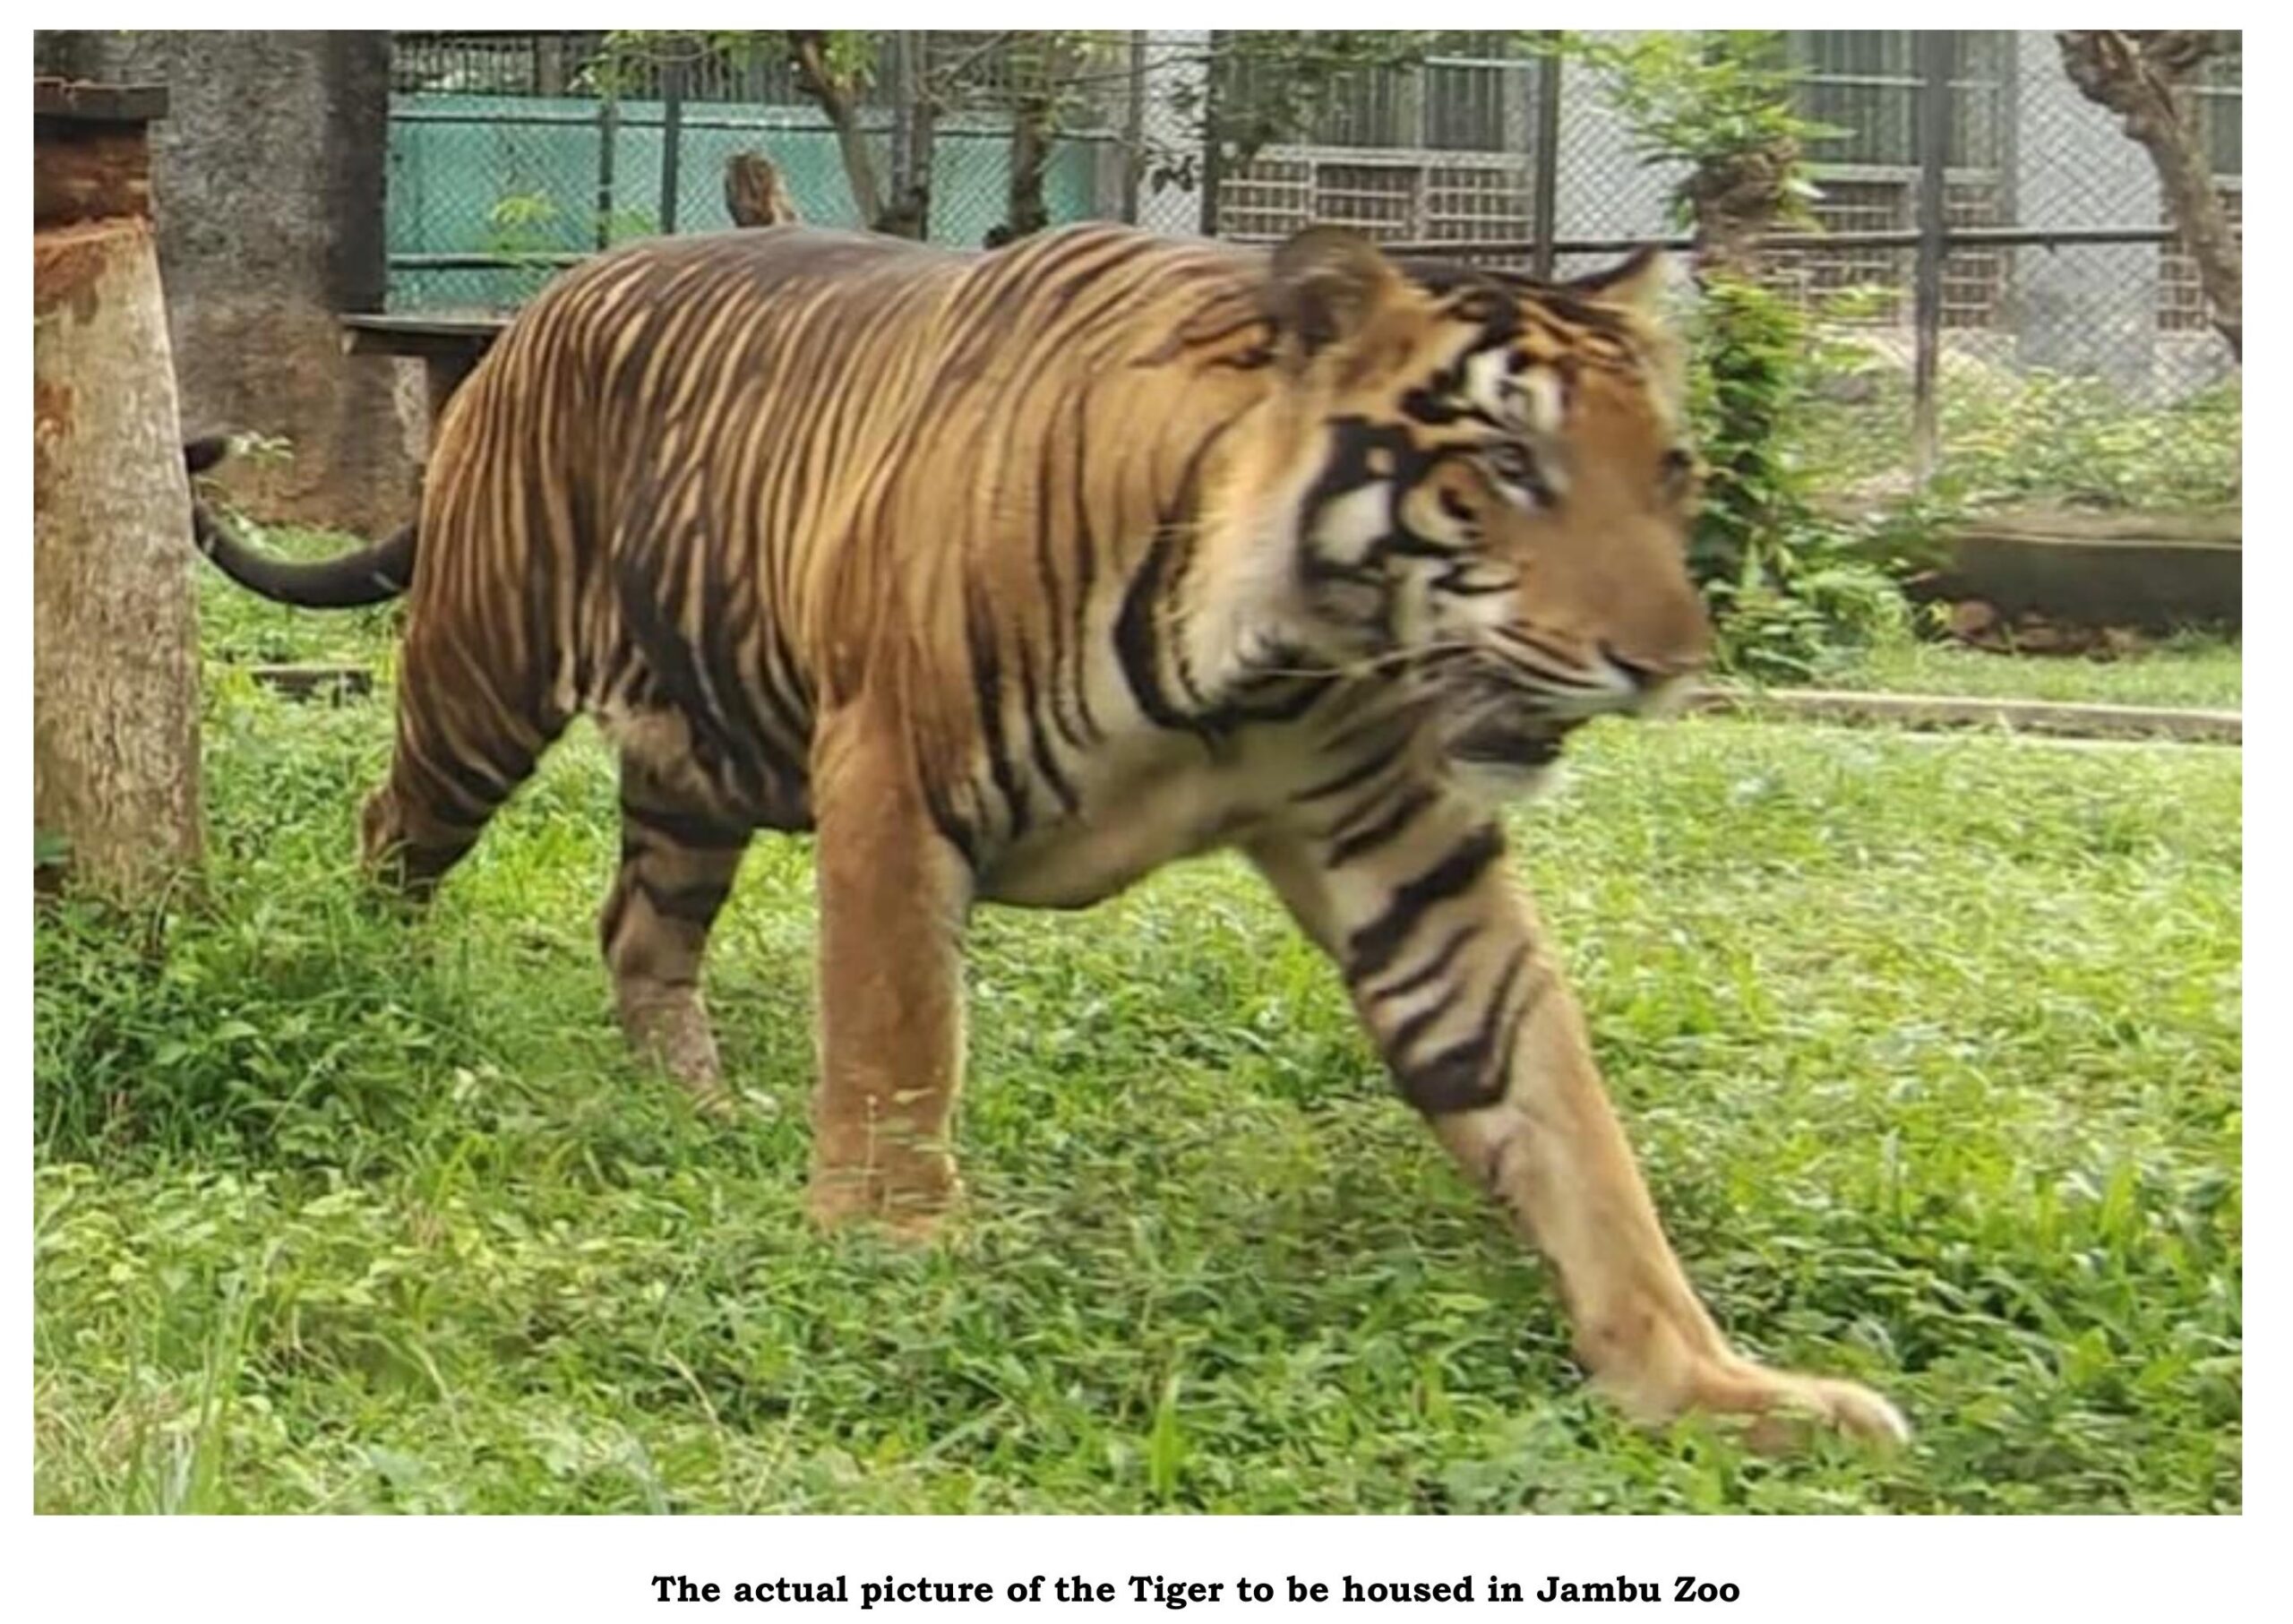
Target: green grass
{"x":2190,"y":671}
{"x":237,"y":626}
{"x":1932,"y":1050}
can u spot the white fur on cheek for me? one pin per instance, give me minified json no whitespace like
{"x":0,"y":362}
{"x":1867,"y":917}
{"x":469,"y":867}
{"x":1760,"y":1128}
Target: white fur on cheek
{"x":1345,"y":527}
{"x":1542,"y":392}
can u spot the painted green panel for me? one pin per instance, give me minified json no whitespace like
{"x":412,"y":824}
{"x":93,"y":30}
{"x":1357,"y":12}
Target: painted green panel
{"x":472,"y":174}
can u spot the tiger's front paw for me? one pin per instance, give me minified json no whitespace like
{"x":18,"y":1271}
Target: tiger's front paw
{"x":1783,"y":1409}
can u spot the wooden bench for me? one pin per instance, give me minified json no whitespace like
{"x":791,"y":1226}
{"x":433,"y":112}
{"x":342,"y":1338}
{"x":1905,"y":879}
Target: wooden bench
{"x":449,"y":345}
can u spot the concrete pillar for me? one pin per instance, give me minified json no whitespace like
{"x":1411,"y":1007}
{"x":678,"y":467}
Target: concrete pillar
{"x":1175,"y":57}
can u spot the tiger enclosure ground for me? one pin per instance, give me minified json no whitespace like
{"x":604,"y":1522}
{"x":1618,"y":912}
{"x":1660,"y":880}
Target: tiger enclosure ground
{"x":1931,"y":1047}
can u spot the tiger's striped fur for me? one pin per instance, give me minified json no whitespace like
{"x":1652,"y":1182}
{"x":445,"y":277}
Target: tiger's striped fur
{"x":1017,"y":575}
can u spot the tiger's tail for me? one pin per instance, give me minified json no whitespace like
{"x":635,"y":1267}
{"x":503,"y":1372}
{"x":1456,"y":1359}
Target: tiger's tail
{"x":370,"y":575}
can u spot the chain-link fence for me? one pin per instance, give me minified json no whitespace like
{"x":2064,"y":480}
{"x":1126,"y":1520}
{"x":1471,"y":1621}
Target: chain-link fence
{"x":2059,"y":290}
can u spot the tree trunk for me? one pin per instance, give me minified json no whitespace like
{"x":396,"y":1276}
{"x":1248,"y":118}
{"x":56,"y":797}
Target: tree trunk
{"x":1736,"y":202}
{"x":115,"y":652}
{"x":914,"y":132}
{"x":808,"y":51}
{"x":2140,"y":76}
{"x":1025,"y":212}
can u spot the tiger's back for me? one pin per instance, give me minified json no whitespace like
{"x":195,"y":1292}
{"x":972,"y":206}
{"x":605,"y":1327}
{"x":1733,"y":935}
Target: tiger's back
{"x":728,"y":479}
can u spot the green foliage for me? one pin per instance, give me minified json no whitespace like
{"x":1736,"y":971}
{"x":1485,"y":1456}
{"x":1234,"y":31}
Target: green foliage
{"x":628,"y":59}
{"x":1787,"y":585}
{"x":2010,"y":437}
{"x":1268,"y":86}
{"x":2080,"y":442}
{"x":336,"y":1211}
{"x":528,"y":228}
{"x":1703,"y":97}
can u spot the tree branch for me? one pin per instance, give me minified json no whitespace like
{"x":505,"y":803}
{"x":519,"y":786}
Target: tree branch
{"x":2140,"y":74}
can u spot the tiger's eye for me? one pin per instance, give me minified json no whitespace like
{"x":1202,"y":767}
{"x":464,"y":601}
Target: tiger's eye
{"x":1512,"y":463}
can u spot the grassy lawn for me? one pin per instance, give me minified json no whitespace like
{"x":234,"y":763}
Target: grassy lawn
{"x":2189,"y":672}
{"x":1932,"y":1049}
{"x":238,"y":626}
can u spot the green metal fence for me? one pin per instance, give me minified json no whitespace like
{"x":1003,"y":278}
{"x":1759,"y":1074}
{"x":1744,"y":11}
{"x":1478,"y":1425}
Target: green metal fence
{"x":548,"y":175}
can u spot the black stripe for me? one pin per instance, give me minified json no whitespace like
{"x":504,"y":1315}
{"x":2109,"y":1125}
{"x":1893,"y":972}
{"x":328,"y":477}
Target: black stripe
{"x":1403,"y":1037}
{"x":1087,"y":567}
{"x":699,"y":903}
{"x":954,"y":827}
{"x":665,"y":647}
{"x":476,"y":793}
{"x":1032,"y":705}
{"x":1349,"y":846}
{"x":1137,"y":637}
{"x":1047,"y":573}
{"x":1434,"y":968}
{"x":987,"y":687}
{"x":1361,"y":772}
{"x":695,"y":831}
{"x":1136,"y":643}
{"x":1469,"y":1075}
{"x":1375,"y":945}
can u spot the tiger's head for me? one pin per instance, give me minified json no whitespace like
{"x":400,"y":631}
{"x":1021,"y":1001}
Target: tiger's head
{"x":1487,"y":487}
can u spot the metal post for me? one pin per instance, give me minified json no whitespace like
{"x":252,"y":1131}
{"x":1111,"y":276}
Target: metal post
{"x":609,"y":138}
{"x":1134,"y":128}
{"x":671,"y":139}
{"x":1545,"y":156}
{"x":1934,"y":59}
{"x":1213,"y":162}
{"x":900,"y":71}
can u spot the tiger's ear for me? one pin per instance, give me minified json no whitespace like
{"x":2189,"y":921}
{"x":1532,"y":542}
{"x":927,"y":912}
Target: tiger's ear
{"x":1325,"y":286}
{"x":1636,"y":282}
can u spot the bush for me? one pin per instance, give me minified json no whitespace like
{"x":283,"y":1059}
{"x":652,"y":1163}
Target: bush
{"x":1786,"y":586}
{"x":2080,"y":442}
{"x":2025,"y":438}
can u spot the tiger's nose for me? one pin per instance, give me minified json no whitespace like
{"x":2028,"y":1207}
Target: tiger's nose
{"x":1659,"y":686}
{"x":1643,"y":671}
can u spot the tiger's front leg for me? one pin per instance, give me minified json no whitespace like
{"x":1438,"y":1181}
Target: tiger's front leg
{"x":1441,"y":953}
{"x":893,"y":896}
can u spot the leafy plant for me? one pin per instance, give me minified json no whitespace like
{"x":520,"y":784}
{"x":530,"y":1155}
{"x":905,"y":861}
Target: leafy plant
{"x":530,"y":230}
{"x":1788,"y":584}
{"x":1263,"y":87}
{"x":1705,"y":99}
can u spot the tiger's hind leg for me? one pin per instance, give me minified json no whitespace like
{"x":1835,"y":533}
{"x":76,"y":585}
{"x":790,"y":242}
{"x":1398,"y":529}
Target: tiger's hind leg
{"x":462,"y":749}
{"x":678,"y":861}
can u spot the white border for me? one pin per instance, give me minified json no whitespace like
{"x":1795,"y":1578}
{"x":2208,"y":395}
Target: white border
{"x":570,"y":1568}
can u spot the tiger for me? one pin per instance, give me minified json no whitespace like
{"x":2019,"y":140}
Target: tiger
{"x":1012,"y":577}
